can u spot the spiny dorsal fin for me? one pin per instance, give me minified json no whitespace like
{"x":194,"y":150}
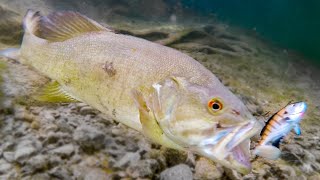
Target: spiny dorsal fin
{"x":60,"y":26}
{"x":53,"y":92}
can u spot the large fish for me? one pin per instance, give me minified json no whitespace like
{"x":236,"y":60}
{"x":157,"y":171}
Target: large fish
{"x":168,"y":96}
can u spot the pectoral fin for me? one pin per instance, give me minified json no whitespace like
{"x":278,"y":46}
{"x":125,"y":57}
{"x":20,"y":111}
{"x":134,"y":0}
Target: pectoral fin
{"x":267,"y":151}
{"x":53,"y":92}
{"x":297,"y":129}
{"x":150,"y":126}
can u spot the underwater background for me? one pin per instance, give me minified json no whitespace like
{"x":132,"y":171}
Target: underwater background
{"x":266,"y":52}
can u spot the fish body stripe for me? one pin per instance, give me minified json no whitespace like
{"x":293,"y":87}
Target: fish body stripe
{"x":273,"y":123}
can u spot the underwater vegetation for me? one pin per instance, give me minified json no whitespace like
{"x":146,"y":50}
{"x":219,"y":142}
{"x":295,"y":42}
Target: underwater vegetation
{"x":74,"y":141}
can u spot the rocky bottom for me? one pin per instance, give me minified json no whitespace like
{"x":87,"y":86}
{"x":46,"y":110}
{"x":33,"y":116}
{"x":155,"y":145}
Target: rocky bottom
{"x":74,"y":141}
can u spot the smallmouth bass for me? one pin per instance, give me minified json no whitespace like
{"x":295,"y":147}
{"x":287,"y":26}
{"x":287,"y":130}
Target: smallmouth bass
{"x":167,"y":95}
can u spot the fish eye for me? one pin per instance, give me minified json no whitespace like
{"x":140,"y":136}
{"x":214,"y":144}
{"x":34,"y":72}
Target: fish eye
{"x":215,"y":105}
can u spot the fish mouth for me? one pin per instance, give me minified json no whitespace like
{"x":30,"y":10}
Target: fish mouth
{"x":231,"y":147}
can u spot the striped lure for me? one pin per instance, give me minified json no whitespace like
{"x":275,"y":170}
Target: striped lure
{"x":277,"y":127}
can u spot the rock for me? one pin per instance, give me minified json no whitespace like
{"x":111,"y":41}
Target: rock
{"x":307,"y":168}
{"x":64,"y":151}
{"x":128,"y":159}
{"x":173,"y":156}
{"x":293,"y":153}
{"x":316,"y":155}
{"x":287,"y":170}
{"x":25,"y":149}
{"x":8,"y":146}
{"x":96,"y":174}
{"x":48,"y":116}
{"x":4,"y":167}
{"x":35,"y":124}
{"x":22,"y":114}
{"x":9,"y":156}
{"x":206,"y":169}
{"x":178,"y":172}
{"x":314,"y":177}
{"x":51,"y":128}
{"x":309,"y":157}
{"x":38,"y":162}
{"x":144,"y":168}
{"x":89,"y":138}
{"x":40,"y":176}
{"x":54,"y":161}
{"x":87,"y":110}
{"x":60,"y":173}
{"x":232,"y":174}
{"x":24,"y":153}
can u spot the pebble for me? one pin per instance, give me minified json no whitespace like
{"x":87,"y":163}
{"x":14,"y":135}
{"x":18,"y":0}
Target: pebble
{"x":38,"y":162}
{"x":96,"y":174}
{"x":50,"y":128}
{"x":64,"y":151}
{"x":22,"y":114}
{"x":89,"y":138}
{"x":206,"y":169}
{"x":87,"y":110}
{"x":25,"y":149}
{"x":23,"y":153}
{"x":40,"y":176}
{"x":232,"y":174}
{"x":9,"y":156}
{"x":144,"y":168}
{"x":4,"y":167}
{"x":35,"y":124}
{"x":307,"y":168}
{"x":48,"y":116}
{"x":178,"y":172}
{"x":60,"y":173}
{"x":287,"y":170}
{"x":128,"y":159}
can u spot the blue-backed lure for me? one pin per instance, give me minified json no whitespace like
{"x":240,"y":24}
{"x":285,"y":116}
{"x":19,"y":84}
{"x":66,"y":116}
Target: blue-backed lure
{"x":277,"y":127}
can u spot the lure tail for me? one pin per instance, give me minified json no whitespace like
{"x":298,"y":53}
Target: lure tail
{"x":267,"y":151}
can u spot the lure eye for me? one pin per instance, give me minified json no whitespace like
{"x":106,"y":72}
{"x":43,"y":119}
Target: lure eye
{"x":215,"y":105}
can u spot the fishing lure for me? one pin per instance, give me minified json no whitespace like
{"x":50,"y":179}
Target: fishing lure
{"x":277,"y":127}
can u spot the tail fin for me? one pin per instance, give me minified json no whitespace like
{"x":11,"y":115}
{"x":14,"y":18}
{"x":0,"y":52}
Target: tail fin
{"x":11,"y":53}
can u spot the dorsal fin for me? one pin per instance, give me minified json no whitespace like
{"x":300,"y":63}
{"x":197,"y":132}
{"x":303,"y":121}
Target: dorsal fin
{"x":60,"y":26}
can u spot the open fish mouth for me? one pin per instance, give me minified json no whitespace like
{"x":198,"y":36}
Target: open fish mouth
{"x":231,"y":147}
{"x":241,"y":154}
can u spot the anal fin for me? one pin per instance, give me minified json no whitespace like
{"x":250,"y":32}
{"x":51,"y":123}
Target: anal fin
{"x":53,"y":92}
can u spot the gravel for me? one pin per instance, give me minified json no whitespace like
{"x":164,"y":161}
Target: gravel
{"x":75,"y":141}
{"x":178,"y":172}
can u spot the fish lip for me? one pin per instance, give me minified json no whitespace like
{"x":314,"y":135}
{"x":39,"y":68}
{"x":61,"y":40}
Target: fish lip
{"x":246,"y":132}
{"x":233,"y":150}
